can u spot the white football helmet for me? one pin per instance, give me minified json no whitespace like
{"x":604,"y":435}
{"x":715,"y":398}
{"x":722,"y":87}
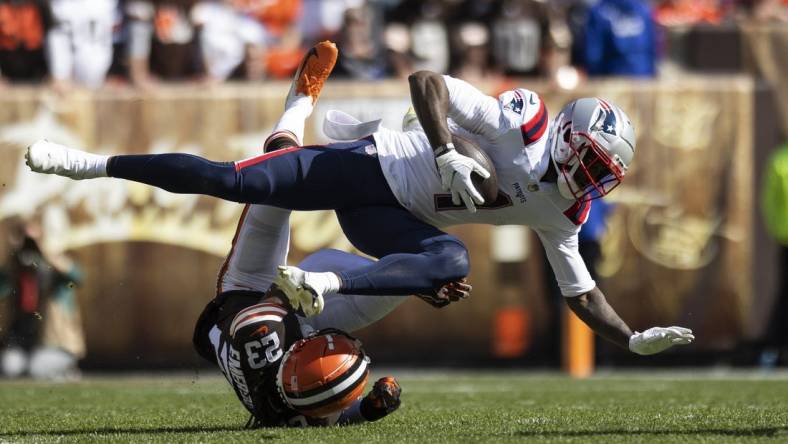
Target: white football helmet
{"x":592,"y":143}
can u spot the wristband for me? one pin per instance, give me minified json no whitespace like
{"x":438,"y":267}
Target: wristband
{"x":443,"y":149}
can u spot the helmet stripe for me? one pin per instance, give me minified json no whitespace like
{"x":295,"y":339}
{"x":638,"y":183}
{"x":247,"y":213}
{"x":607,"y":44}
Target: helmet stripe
{"x":329,"y":392}
{"x":361,"y":359}
{"x":341,"y":395}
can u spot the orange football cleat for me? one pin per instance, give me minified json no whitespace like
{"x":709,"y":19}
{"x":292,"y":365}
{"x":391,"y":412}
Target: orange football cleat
{"x":314,"y":70}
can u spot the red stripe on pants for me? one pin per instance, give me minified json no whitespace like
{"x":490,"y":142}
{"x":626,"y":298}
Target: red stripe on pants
{"x":241,"y":164}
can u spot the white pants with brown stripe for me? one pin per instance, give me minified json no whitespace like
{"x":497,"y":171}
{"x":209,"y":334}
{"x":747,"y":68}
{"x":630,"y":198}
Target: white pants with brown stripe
{"x":346,"y":312}
{"x":261,"y":244}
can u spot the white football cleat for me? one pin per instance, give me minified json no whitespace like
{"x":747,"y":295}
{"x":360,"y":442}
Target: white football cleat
{"x":51,"y":158}
{"x":292,"y":282}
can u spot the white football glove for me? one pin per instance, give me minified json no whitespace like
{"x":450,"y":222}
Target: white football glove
{"x":455,"y":171}
{"x":657,"y":339}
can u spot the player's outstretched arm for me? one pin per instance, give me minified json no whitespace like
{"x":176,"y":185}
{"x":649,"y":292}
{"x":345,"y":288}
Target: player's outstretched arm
{"x":594,"y":310}
{"x":430,"y":98}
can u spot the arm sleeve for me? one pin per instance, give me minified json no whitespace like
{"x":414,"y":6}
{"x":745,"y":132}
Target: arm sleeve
{"x":473,"y":110}
{"x":568,"y":266}
{"x":352,"y":415}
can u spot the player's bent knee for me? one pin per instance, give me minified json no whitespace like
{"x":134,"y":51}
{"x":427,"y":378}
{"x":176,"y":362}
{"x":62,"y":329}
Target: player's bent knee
{"x":452,"y":262}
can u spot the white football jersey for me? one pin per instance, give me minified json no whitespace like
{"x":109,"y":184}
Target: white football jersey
{"x":513,"y":131}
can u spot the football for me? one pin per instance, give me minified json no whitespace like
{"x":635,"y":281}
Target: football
{"x":323,"y":374}
{"x":487,"y":187}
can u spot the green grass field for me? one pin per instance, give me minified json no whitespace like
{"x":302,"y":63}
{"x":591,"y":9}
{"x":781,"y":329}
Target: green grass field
{"x":437,"y":407}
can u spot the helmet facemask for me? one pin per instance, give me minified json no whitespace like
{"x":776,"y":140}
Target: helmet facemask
{"x":586,"y":170}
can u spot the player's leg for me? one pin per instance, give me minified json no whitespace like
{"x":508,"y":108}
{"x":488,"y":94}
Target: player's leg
{"x":262,"y":239}
{"x":415,"y":258}
{"x":182,"y":173}
{"x":347,"y":312}
{"x":260,"y":244}
{"x":350,"y":313}
{"x":307,"y":84}
{"x":317,"y":177}
{"x":301,"y":178}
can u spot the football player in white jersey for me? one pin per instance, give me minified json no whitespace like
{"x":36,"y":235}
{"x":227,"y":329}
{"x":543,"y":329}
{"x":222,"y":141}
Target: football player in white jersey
{"x":389,"y":189}
{"x":247,"y":328}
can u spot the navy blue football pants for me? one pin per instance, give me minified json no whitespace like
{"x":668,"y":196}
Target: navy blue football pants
{"x":415,"y":257}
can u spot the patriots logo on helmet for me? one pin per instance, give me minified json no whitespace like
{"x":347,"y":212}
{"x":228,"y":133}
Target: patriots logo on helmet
{"x":606,"y":120}
{"x":516,"y":104}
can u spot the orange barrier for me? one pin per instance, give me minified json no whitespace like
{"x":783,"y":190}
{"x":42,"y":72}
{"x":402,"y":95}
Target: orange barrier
{"x":577,"y":348}
{"x":511,"y":337}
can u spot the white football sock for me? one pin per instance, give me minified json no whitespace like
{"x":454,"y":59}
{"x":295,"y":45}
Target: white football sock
{"x":296,"y":112}
{"x":322,"y":283}
{"x":96,"y":165}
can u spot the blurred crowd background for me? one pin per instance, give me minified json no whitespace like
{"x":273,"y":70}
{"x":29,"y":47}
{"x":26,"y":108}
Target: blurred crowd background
{"x":142,"y":42}
{"x":699,"y":232}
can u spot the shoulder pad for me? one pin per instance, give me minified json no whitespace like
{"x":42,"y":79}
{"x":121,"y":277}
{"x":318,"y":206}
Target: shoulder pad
{"x":524,"y":108}
{"x":534,"y":117}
